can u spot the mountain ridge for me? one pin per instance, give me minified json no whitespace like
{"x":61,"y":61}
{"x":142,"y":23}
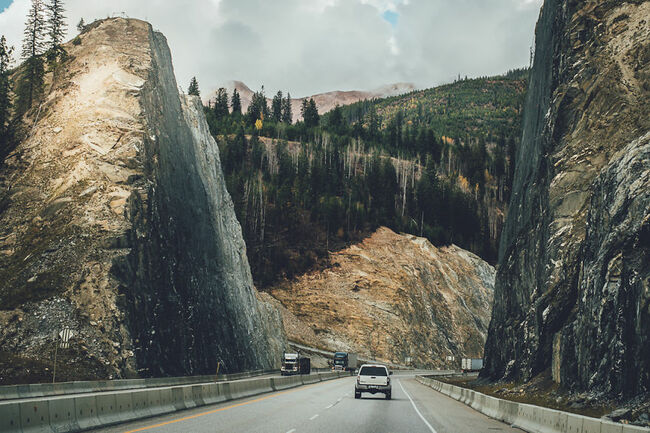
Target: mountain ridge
{"x":325,"y":101}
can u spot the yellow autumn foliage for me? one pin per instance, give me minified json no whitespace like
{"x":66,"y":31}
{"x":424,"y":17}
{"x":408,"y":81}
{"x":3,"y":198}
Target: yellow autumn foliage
{"x":463,"y":183}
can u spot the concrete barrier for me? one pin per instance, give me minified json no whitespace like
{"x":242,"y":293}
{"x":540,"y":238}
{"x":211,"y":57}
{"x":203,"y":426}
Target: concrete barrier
{"x":86,"y":411}
{"x":62,"y":415}
{"x":178,"y":398}
{"x":35,"y":416}
{"x":107,"y":408}
{"x":13,"y":392}
{"x":73,"y":413}
{"x":9,"y":417}
{"x":197,"y":395}
{"x":309,"y":379}
{"x":534,"y":419}
{"x":280,"y":383}
{"x":247,"y":388}
{"x":140,"y":400}
{"x":124,"y":405}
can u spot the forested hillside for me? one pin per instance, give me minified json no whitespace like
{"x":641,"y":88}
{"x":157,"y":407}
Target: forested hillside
{"x":434,"y":163}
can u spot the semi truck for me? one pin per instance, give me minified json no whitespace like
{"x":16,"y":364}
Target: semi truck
{"x":293,"y":363}
{"x":471,"y":364}
{"x":346,"y":361}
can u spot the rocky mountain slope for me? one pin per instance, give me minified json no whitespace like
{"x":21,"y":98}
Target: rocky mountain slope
{"x":572,"y":289}
{"x":115,"y":222}
{"x":390,"y":297}
{"x":324,"y":101}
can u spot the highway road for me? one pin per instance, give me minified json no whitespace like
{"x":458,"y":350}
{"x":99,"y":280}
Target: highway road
{"x":328,"y":407}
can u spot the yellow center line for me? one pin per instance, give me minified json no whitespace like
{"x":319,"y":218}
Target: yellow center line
{"x":174,"y":421}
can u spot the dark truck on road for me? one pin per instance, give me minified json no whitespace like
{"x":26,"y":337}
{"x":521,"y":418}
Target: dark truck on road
{"x":345,"y":361}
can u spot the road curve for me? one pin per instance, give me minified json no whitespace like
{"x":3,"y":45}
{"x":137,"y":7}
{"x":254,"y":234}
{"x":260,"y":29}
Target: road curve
{"x":328,"y":407}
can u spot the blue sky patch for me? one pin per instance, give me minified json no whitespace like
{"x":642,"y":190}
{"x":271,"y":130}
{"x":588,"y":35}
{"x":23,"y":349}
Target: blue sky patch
{"x":4,"y":4}
{"x":389,"y":16}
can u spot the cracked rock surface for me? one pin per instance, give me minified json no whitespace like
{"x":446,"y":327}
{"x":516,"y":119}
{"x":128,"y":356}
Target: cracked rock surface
{"x":115,"y":222}
{"x":572,"y":292}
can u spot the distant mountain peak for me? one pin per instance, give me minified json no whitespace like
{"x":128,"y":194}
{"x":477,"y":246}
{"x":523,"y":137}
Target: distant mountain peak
{"x":324,"y":101}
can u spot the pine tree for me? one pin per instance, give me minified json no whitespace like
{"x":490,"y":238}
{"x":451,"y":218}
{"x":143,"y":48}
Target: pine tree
{"x":287,"y":116}
{"x":30,"y":85}
{"x":374,"y":124}
{"x":221,"y":104}
{"x":81,"y":25}
{"x":193,"y":89}
{"x":235,"y":103}
{"x":303,"y":108}
{"x":258,"y":109}
{"x":5,"y":98}
{"x":57,"y":29}
{"x":276,"y":107}
{"x":309,"y":113}
{"x":336,"y":118}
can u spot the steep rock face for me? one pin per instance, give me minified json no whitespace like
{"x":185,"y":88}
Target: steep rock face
{"x":116,"y":223}
{"x":571,"y":292}
{"x":390,"y":297}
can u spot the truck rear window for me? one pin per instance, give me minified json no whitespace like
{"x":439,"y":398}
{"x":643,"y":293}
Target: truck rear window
{"x":373,"y":371}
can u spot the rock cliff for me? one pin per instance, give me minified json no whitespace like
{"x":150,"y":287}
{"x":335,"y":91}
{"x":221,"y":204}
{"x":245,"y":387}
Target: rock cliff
{"x":572,"y":292}
{"x":392,"y":297}
{"x":115,"y":221}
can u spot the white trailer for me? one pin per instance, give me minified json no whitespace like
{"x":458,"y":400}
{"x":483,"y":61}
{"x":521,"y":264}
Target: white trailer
{"x":471,"y":364}
{"x":353,"y":362}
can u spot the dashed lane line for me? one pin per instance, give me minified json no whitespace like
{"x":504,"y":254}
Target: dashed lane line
{"x":313,"y":417}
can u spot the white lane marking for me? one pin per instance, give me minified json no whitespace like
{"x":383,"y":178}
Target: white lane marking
{"x":313,"y":417}
{"x":416,"y":408}
{"x":292,"y":430}
{"x":340,"y":399}
{"x":329,"y":406}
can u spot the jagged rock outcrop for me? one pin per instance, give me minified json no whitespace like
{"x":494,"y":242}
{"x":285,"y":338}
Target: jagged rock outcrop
{"x":392,"y":297}
{"x":572,"y":293}
{"x":115,"y":222}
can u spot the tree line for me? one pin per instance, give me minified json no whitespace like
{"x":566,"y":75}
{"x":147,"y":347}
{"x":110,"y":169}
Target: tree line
{"x":42,"y":52}
{"x":379,"y":162}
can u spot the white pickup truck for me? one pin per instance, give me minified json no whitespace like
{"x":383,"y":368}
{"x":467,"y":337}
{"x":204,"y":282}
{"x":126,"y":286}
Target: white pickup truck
{"x":373,"y":378}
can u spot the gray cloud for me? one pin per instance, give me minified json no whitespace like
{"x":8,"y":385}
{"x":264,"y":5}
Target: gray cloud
{"x":320,"y":45}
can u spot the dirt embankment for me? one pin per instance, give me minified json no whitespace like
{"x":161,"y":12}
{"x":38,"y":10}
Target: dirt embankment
{"x":392,"y":297}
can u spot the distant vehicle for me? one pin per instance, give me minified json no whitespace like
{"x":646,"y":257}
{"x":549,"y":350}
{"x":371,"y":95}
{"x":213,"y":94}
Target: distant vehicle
{"x":293,"y":363}
{"x":346,"y":361}
{"x":471,"y":364}
{"x":373,"y":378}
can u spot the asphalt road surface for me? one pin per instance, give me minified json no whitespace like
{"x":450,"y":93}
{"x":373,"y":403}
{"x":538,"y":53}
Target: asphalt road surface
{"x":328,"y":407}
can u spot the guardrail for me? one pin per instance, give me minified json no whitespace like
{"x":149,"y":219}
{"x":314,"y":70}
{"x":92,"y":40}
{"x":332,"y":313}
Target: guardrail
{"x":12,"y":392}
{"x":74,"y":413}
{"x":534,"y":419}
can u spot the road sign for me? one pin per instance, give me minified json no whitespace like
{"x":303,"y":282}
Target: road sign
{"x":66,"y":334}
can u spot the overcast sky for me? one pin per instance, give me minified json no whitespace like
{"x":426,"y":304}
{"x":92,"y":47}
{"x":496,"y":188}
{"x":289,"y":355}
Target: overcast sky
{"x":312,"y":46}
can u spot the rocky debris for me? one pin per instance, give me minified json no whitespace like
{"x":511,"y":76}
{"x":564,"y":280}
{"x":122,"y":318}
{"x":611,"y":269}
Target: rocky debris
{"x":116,"y":223}
{"x":571,"y":293}
{"x":391,"y":297}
